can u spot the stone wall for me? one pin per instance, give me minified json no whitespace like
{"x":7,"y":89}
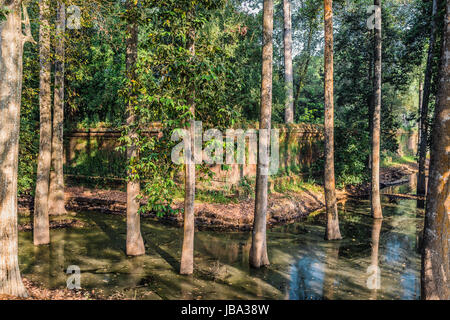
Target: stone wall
{"x":407,"y":142}
{"x":92,"y":153}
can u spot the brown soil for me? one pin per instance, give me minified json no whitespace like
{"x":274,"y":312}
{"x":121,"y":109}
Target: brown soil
{"x":39,"y":292}
{"x":69,"y":223}
{"x":388,"y":177}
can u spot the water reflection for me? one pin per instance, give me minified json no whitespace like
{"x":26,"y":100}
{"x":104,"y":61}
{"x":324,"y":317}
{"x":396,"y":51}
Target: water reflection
{"x":304,"y":266}
{"x":374,"y":280}
{"x":307,"y":276}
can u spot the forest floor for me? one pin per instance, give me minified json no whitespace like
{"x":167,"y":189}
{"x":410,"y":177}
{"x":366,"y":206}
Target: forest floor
{"x":37,"y":291}
{"x":295,"y":200}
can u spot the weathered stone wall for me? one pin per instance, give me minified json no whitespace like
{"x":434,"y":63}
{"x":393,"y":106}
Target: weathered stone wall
{"x":407,"y":142}
{"x":93,"y":153}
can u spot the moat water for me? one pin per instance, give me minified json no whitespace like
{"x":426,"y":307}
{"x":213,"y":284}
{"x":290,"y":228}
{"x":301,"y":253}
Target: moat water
{"x":375,"y":260}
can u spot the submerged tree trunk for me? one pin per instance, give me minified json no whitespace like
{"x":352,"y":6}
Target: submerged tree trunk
{"x":41,"y":232}
{"x":435,"y":276}
{"x":11,"y":55}
{"x":332,"y":230}
{"x":56,"y":196}
{"x":374,"y":280}
{"x":135,"y":243}
{"x":376,"y":122}
{"x":288,"y":69}
{"x":187,"y":253}
{"x":258,"y":251}
{"x":421,"y":180}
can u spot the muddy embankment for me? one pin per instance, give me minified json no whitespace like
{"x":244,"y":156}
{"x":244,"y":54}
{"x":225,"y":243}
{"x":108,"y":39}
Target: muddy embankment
{"x":282,"y":208}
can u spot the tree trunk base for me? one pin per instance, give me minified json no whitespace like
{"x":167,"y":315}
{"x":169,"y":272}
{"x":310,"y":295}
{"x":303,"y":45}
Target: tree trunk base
{"x":136,"y":247}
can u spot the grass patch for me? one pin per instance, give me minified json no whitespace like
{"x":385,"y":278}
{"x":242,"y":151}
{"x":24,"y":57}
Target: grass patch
{"x":395,"y":160}
{"x":298,"y":186}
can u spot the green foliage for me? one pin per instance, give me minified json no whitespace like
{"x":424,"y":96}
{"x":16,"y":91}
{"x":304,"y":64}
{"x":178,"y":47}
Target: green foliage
{"x":223,"y":81}
{"x":29,"y":113}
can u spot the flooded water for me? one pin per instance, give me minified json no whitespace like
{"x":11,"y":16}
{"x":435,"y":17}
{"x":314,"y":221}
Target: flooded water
{"x":375,"y":260}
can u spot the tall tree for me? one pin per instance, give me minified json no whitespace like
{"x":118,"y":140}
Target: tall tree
{"x":135,"y":243}
{"x":421,"y":185}
{"x":258,"y":250}
{"x":12,"y":41}
{"x":187,"y":253}
{"x":332,"y":230}
{"x":376,"y":122}
{"x":435,"y":276}
{"x":56,"y":196}
{"x":41,"y":232}
{"x":288,"y":69}
{"x":420,"y":107}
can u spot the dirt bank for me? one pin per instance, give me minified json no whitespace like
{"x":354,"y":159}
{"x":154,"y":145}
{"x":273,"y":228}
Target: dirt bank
{"x":282,"y":208}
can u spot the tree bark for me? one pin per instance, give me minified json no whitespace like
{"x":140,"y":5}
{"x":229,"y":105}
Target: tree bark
{"x":56,"y":196}
{"x":135,"y":243}
{"x":41,"y":232}
{"x":11,"y":58}
{"x":421,"y":180}
{"x":435,"y":276}
{"x":288,"y":69}
{"x":376,"y":122}
{"x":187,"y":253}
{"x":371,"y":96}
{"x":332,"y":230}
{"x":420,"y":111}
{"x":258,"y":251}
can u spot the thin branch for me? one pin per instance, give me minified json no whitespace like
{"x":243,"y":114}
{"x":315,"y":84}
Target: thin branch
{"x":27,"y":37}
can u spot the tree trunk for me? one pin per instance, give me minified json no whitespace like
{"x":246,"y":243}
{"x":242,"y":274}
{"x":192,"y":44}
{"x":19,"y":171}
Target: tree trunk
{"x":56,"y":196}
{"x":135,"y":243}
{"x":258,"y":252}
{"x":11,"y":57}
{"x":41,"y":230}
{"x":187,"y":253}
{"x":288,"y":70}
{"x":420,"y":111}
{"x":421,"y":183}
{"x":332,"y":230}
{"x":376,"y":122}
{"x":371,"y":96}
{"x":435,"y":277}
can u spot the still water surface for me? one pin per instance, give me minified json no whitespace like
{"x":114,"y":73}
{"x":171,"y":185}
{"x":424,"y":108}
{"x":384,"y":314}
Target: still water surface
{"x":375,"y":260}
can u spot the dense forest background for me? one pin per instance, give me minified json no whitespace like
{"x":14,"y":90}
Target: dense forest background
{"x":226,"y":73}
